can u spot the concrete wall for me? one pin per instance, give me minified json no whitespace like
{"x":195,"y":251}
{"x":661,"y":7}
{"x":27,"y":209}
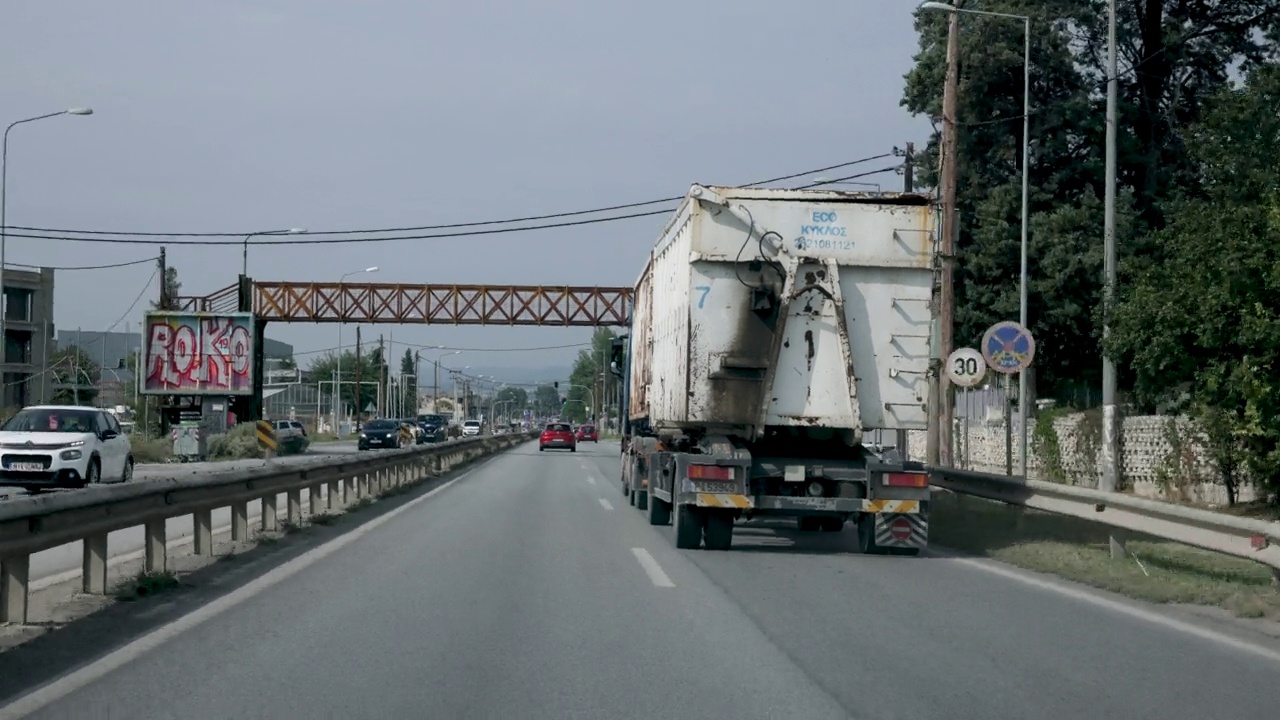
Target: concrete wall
{"x":1161,"y":457}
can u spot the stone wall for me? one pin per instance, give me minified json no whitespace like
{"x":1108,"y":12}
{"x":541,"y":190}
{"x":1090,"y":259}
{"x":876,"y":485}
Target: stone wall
{"x":1161,"y":457}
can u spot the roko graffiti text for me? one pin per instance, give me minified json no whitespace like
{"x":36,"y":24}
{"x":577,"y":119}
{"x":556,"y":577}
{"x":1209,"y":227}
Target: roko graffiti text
{"x":198,"y":354}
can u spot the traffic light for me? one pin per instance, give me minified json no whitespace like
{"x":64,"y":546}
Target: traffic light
{"x":557,"y":384}
{"x":618,"y":353}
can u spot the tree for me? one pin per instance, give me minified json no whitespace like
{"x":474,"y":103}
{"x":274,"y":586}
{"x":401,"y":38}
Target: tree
{"x":510,"y":402}
{"x":322,"y":371}
{"x":546,"y":400}
{"x":1183,"y":53}
{"x":75,"y":377}
{"x":409,"y":390}
{"x":584,"y":380}
{"x":173,"y":287}
{"x":1202,"y":330}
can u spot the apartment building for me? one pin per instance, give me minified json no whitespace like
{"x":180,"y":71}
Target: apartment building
{"x":27,"y":306}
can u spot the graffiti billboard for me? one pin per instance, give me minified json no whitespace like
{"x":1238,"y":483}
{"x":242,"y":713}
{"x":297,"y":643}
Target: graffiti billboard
{"x":188,"y":353}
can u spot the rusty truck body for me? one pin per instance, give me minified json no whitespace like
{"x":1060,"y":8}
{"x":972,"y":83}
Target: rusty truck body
{"x":771,"y":331}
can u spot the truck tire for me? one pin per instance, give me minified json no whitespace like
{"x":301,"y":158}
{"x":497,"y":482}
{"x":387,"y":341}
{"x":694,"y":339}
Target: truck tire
{"x":688,"y":522}
{"x":808,"y":523}
{"x":831,"y":524}
{"x":642,"y":500}
{"x":659,"y":512}
{"x":719,"y":530}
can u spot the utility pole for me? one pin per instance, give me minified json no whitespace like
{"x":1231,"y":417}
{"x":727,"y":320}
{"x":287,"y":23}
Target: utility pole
{"x":908,"y":168}
{"x":940,"y":453}
{"x":164,"y":281}
{"x":359,"y":394}
{"x":382,"y":377}
{"x":1109,"y":481}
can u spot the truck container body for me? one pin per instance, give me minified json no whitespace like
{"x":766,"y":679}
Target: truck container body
{"x":770,"y":329}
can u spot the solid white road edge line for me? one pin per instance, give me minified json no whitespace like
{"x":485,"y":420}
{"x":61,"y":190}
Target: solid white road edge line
{"x":652,"y":568}
{"x":605,"y":504}
{"x":77,"y":679}
{"x":1118,"y":607}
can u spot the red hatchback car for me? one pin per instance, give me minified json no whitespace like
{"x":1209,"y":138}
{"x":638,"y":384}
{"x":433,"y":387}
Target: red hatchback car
{"x":557,"y":435}
{"x":588,"y":432}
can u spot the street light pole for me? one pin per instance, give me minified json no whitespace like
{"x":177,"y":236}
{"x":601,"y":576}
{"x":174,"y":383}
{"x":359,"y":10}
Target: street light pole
{"x":4,"y":221}
{"x":291,"y":231}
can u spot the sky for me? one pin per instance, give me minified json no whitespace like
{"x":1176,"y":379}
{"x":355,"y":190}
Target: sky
{"x":243,"y":116}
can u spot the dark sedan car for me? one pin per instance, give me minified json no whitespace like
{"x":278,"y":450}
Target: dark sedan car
{"x":380,"y":433}
{"x":435,"y":428}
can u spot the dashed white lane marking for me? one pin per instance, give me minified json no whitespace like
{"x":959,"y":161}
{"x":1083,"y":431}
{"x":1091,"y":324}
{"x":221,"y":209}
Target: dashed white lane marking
{"x":652,"y":568}
{"x":591,"y":480}
{"x":605,"y":504}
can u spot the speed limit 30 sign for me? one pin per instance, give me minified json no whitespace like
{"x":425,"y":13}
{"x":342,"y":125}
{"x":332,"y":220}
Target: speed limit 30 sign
{"x":966,"y":367}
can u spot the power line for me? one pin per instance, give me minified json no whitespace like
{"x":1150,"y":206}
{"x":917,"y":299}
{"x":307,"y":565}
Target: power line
{"x":61,"y":234}
{"x":65,"y":268}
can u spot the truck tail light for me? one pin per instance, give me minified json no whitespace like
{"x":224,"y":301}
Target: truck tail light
{"x":906,"y":479}
{"x":710,"y":472}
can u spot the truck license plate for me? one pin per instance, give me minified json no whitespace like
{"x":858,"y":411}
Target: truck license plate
{"x":26,"y":467}
{"x":716,"y":487}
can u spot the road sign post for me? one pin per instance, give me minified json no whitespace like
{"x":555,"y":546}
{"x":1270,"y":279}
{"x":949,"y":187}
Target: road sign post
{"x":966,"y":367}
{"x":1009,"y":348}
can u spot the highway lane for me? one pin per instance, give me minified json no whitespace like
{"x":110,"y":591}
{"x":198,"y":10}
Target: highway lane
{"x":530,"y":589}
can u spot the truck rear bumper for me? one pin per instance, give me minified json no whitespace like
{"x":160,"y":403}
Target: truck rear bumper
{"x":803,"y":505}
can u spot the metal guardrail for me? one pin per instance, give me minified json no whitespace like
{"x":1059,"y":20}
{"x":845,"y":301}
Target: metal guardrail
{"x":1240,"y":537}
{"x":32,"y":524}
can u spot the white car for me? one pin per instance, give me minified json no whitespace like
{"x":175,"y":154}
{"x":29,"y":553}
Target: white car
{"x":470,"y":427}
{"x":63,"y":446}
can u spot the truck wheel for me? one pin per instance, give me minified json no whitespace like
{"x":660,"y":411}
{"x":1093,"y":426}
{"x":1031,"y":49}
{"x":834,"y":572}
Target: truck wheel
{"x":719,"y":531}
{"x":808,"y":523}
{"x":659,"y":512}
{"x":867,"y":535}
{"x":688,"y":522}
{"x":830,"y":524}
{"x":642,"y":502}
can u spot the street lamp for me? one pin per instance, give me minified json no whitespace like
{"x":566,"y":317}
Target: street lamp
{"x":4,"y":224}
{"x":1026,"y":154}
{"x":291,"y":231}
{"x":337,"y":369}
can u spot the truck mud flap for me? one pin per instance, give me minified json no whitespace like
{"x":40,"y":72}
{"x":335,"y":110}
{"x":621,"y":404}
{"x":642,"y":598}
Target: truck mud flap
{"x":894,"y":530}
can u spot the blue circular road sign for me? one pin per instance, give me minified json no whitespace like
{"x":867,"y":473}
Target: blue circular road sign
{"x":1008,"y":347}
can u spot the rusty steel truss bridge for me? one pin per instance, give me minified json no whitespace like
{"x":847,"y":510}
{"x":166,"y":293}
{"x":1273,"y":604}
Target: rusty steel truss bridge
{"x":436,"y":304}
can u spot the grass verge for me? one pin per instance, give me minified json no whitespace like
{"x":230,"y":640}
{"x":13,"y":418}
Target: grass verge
{"x":146,"y":584}
{"x":1156,"y":570}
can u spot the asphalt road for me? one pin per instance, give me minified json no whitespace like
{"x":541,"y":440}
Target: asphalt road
{"x":529,"y":589}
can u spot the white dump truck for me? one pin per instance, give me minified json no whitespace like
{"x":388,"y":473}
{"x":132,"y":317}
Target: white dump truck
{"x":772,"y":332}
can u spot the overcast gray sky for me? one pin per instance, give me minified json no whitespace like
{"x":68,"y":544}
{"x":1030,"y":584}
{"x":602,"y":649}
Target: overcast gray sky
{"x":235,"y":115}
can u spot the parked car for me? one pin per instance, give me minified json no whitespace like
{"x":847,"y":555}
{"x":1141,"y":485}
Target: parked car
{"x":379,"y":433}
{"x":63,"y":446}
{"x":588,"y":432}
{"x":557,"y":435}
{"x":435,"y":428}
